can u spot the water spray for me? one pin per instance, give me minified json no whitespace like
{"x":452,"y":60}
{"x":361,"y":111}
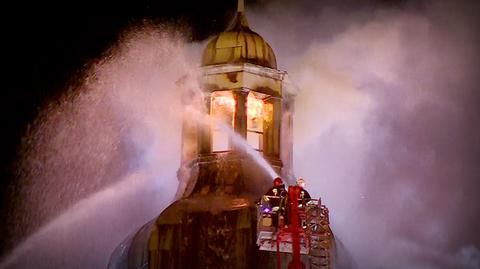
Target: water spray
{"x":237,"y":139}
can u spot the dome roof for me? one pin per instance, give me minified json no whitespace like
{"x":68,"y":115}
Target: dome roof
{"x":239,"y":44}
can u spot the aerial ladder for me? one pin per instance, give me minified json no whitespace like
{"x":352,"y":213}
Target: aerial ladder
{"x":297,"y":228}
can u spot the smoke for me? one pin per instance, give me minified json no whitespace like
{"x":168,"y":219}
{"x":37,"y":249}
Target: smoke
{"x":386,"y":123}
{"x":102,"y":160}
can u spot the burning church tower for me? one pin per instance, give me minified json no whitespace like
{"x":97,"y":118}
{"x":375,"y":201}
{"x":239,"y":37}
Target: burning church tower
{"x":218,"y":219}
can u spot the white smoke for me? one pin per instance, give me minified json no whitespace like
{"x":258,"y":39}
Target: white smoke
{"x":102,"y":161}
{"x":385,"y":124}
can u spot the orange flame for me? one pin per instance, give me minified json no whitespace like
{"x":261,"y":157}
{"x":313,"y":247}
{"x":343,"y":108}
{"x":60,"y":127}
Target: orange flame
{"x":254,"y":107}
{"x":225,"y":101}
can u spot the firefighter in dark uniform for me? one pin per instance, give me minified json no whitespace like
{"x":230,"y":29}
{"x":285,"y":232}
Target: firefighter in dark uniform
{"x":278,"y":188}
{"x":275,"y":197}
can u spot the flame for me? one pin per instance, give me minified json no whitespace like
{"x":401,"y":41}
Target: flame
{"x":224,"y":101}
{"x":254,"y":107}
{"x":223,"y":107}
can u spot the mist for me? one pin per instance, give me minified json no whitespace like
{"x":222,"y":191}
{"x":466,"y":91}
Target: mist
{"x":386,"y":123}
{"x":101,"y":161}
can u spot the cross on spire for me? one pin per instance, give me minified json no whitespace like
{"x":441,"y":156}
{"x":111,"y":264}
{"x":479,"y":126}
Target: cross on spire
{"x":241,"y":6}
{"x":239,"y":22}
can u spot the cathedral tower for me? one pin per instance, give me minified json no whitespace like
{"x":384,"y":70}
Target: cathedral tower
{"x":212,"y":224}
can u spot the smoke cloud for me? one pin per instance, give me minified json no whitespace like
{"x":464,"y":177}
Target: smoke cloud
{"x":102,"y":160}
{"x":386,"y":124}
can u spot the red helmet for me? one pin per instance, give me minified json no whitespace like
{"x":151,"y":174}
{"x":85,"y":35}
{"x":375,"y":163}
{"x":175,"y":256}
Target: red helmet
{"x":277,"y":182}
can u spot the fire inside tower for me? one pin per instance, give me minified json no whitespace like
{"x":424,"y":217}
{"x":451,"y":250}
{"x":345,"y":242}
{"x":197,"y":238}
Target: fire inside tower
{"x":227,"y":213}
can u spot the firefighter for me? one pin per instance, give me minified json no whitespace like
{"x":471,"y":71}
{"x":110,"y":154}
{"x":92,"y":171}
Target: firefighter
{"x":278,"y":188}
{"x":304,"y":195}
{"x":303,"y":198}
{"x":275,"y":198}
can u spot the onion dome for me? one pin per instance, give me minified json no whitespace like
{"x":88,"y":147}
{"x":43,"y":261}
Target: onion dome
{"x":239,"y":44}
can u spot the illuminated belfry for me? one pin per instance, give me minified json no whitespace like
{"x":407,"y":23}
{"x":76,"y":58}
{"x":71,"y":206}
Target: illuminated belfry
{"x":243,"y":90}
{"x":213,"y":222}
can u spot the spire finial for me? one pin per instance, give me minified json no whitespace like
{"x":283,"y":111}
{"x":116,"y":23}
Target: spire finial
{"x":241,"y":6}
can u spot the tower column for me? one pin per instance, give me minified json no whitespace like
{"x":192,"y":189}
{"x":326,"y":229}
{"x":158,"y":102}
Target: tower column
{"x":240,"y":125}
{"x":204,"y":137}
